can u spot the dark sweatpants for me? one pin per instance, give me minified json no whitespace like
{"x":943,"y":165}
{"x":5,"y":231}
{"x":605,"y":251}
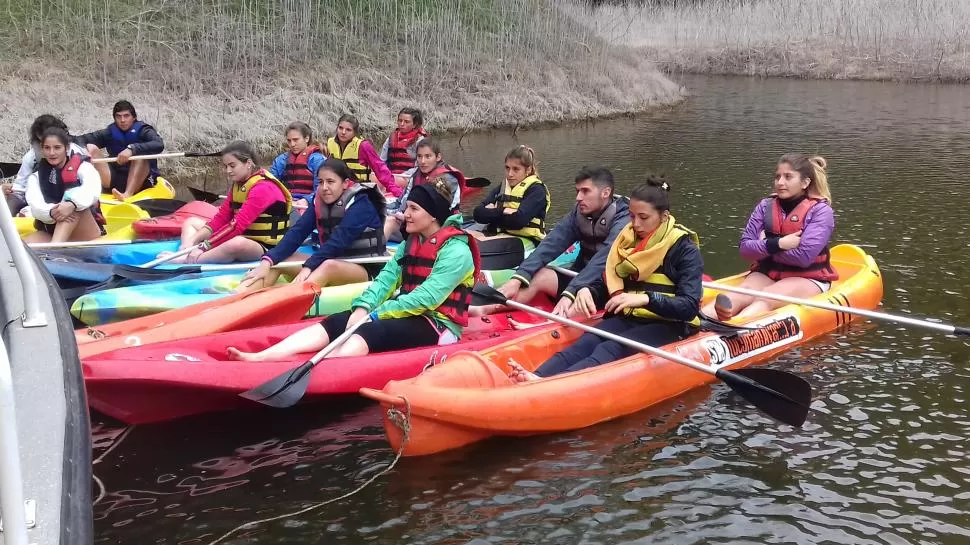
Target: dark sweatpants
{"x":592,"y":350}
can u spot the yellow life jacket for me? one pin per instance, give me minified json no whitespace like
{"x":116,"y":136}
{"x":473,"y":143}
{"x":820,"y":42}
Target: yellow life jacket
{"x":271,"y":225}
{"x":350,"y":155}
{"x":511,"y":197}
{"x":657,"y":282}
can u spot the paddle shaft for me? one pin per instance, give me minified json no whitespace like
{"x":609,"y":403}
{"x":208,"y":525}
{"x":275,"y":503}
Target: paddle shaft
{"x":154,"y":156}
{"x":337,"y":342}
{"x":159,"y":261}
{"x":615,"y":338}
{"x":85,"y":243}
{"x":945,"y":328}
{"x":290,"y":264}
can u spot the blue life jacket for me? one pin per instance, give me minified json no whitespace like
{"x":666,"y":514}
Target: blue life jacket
{"x":121,"y":140}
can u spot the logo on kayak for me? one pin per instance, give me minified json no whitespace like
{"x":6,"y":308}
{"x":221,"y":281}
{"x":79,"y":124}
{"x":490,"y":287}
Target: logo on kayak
{"x":180,"y":357}
{"x":769,"y":334}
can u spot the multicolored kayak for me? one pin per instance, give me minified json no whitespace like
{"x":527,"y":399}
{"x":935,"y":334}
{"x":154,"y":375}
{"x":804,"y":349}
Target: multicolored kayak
{"x":268,"y":306}
{"x":471,"y":398}
{"x":169,"y":380}
{"x":112,"y":305}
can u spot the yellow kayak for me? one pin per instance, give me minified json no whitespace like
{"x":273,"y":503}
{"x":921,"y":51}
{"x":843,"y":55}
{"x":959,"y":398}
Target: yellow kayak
{"x":119,"y":215}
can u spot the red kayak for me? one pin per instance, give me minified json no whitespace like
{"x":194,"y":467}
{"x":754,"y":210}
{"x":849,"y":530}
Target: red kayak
{"x":173,"y":379}
{"x":170,"y":225}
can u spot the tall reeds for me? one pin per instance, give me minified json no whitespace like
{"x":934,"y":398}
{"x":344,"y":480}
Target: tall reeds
{"x":912,"y":40}
{"x":210,"y":70}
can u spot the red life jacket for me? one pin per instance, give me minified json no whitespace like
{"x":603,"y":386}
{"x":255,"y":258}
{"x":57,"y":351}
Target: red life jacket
{"x":419,"y":260}
{"x":421,"y":178}
{"x":67,"y":178}
{"x":778,"y":224}
{"x":400,"y":157}
{"x":297,"y":175}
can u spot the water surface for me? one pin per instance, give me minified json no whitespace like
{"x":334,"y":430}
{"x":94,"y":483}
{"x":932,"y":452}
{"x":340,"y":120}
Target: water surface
{"x":882,"y":461}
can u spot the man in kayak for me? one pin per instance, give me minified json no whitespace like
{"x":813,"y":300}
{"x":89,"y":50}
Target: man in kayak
{"x":250,"y":221}
{"x":435,"y":269}
{"x":430,"y":165}
{"x":787,"y":237}
{"x":653,"y":277}
{"x":594,"y":223}
{"x":349,"y":218}
{"x":125,"y":138}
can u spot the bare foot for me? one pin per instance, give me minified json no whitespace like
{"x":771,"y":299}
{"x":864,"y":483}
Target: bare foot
{"x":519,"y":325}
{"x":236,"y":354}
{"x":519,"y":374}
{"x":723,"y":307}
{"x":118,"y":195}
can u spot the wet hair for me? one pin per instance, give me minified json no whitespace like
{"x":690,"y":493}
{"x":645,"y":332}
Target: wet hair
{"x":526,"y":156}
{"x":41,"y":124}
{"x":429,"y":143}
{"x":600,"y":176}
{"x":58,"y":133}
{"x":353,"y":122}
{"x":302,"y":128}
{"x":655,"y":191}
{"x":812,"y":168}
{"x":339,"y":168}
{"x":242,"y":151}
{"x":415,"y":114}
{"x":124,"y":106}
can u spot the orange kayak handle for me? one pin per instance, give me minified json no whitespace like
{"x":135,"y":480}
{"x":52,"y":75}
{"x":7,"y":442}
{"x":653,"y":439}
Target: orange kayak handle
{"x":381,"y":397}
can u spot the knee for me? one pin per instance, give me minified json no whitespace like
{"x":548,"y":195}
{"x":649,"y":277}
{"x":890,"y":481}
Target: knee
{"x":94,"y":151}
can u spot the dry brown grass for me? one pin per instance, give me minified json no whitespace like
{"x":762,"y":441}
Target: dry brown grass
{"x":205,"y":72}
{"x":904,"y":40}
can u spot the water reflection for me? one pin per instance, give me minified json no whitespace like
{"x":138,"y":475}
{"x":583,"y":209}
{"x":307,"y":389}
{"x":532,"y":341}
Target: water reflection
{"x":881,"y":459}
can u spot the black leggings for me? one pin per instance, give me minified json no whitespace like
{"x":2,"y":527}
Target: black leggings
{"x":386,"y":335}
{"x":591,"y":350}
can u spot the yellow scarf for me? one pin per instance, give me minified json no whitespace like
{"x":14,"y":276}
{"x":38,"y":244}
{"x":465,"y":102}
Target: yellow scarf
{"x":626,"y":260}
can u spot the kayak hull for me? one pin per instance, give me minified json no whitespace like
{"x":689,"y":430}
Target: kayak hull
{"x":113,"y":305}
{"x":175,"y":379}
{"x":471,"y":397}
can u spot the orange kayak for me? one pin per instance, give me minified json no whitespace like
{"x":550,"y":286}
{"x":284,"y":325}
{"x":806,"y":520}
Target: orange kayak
{"x":268,"y":306}
{"x":470,"y":397}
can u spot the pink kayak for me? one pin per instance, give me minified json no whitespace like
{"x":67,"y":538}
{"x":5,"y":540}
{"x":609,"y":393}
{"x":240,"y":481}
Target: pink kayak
{"x":173,"y":379}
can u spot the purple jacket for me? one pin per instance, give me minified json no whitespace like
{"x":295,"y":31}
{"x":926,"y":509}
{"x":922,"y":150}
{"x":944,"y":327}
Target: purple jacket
{"x":818,"y":229}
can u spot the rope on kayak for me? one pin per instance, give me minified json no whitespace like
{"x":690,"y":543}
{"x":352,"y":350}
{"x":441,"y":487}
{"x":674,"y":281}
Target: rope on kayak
{"x":114,"y":444}
{"x":396,"y":417}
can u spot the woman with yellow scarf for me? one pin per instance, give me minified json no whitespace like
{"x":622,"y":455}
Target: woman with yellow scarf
{"x":653,"y":277}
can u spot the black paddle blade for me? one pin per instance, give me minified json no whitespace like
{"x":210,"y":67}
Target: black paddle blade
{"x":483,"y":294}
{"x":201,"y":195}
{"x":283,"y":391}
{"x":779,"y":394}
{"x":133,"y":272}
{"x":476,"y":182}
{"x":9,"y":169}
{"x":159,"y":207}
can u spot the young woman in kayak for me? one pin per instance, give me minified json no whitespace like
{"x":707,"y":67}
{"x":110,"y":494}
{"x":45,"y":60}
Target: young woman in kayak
{"x":349,"y":218}
{"x":787,"y":238}
{"x":435,"y":270}
{"x":63,"y":194}
{"x":347,"y":146}
{"x":400,"y":150}
{"x":252,"y":220}
{"x":519,"y":206}
{"x":297,"y":167}
{"x":653,"y":277}
{"x":430,"y":166}
{"x":14,"y":191}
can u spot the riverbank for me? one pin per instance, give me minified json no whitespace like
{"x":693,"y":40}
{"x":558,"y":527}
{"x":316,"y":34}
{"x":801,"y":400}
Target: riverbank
{"x":207,"y":73}
{"x":893,"y":40}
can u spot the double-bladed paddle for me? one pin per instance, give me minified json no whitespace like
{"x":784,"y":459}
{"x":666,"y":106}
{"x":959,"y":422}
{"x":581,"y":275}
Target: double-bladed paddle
{"x":782,"y":395}
{"x":158,"y":156}
{"x":288,"y":389}
{"x":477,"y":182}
{"x":926,"y":324}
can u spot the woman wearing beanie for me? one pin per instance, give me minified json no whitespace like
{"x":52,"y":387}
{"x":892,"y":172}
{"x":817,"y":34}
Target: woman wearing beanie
{"x":435,"y":269}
